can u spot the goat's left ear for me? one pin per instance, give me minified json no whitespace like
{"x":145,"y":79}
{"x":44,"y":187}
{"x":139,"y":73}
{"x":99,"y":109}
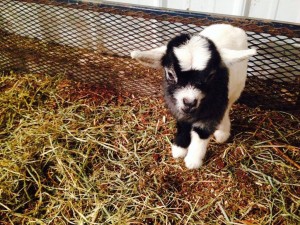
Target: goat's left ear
{"x":151,"y":58}
{"x":231,"y":57}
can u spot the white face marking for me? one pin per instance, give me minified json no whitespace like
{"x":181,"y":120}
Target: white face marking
{"x":189,"y":93}
{"x":194,"y":54}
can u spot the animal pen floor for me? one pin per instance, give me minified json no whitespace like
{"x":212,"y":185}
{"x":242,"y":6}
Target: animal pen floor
{"x":72,"y":153}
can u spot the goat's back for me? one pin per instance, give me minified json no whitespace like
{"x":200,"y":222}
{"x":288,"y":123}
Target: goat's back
{"x":230,"y":37}
{"x":226,"y":36}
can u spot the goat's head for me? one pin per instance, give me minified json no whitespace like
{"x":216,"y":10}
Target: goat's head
{"x":193,"y":66}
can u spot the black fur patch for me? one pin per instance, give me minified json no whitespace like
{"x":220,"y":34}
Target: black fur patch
{"x":212,"y":81}
{"x":183,"y":136}
{"x":203,"y":133}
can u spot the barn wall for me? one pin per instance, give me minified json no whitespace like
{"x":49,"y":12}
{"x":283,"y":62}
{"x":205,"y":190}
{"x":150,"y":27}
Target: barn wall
{"x":283,"y":10}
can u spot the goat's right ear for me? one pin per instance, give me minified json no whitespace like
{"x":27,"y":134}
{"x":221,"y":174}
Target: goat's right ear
{"x":151,"y":58}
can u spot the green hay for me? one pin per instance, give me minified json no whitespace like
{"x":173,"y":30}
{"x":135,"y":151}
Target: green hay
{"x":72,"y":153}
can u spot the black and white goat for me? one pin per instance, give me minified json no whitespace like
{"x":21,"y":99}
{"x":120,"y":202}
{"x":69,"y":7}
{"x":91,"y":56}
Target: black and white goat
{"x":204,"y":75}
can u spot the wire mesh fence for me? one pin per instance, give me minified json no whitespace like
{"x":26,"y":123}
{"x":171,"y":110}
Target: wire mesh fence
{"x":92,"y":42}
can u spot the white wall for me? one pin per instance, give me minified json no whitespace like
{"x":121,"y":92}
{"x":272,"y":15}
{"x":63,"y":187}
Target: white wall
{"x":283,"y":10}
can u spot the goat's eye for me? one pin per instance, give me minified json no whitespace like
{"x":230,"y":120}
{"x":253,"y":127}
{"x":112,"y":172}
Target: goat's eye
{"x":199,"y":83}
{"x":170,"y":76}
{"x":211,"y":75}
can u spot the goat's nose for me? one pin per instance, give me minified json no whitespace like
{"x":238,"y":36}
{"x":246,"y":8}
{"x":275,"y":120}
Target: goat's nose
{"x":189,"y":103}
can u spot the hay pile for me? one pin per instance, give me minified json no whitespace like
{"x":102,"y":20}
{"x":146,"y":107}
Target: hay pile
{"x":72,"y":153}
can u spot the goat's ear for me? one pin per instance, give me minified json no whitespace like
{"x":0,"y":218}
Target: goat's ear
{"x":151,"y":58}
{"x":231,"y":57}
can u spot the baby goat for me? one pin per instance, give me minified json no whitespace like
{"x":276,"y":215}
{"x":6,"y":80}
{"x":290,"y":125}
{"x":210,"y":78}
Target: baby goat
{"x":204,"y":75}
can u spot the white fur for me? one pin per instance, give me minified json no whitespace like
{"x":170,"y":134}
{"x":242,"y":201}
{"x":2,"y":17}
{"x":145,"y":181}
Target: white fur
{"x":223,"y":131}
{"x":151,"y":57}
{"x":190,"y":93}
{"x":226,"y":36}
{"x":178,"y":152}
{"x":232,"y":45}
{"x":194,"y":54}
{"x":235,"y":55}
{"x":196,"y":151}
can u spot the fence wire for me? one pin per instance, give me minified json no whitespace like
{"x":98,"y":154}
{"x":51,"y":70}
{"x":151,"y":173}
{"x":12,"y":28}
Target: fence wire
{"x":92,"y":42}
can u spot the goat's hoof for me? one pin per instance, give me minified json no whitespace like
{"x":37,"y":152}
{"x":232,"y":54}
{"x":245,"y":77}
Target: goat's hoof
{"x":192,"y":162}
{"x":221,"y":136}
{"x":178,"y":152}
{"x":134,"y":54}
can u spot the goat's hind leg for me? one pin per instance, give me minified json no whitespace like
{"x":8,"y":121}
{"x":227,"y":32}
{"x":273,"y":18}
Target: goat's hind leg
{"x":182,"y":140}
{"x":223,"y":131}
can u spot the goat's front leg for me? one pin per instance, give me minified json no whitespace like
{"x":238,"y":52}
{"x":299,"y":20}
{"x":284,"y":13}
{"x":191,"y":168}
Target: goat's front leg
{"x":182,"y":140}
{"x":197,"y":149}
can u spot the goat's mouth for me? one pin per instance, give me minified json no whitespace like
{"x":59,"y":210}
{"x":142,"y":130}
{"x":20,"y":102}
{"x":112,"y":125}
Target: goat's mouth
{"x":188,"y":111}
{"x":187,"y":116}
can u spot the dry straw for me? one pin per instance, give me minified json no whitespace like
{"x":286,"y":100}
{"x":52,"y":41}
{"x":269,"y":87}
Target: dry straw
{"x":72,"y":153}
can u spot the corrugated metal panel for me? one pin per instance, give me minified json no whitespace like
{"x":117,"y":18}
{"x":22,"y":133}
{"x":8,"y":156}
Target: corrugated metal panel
{"x":284,"y":10}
